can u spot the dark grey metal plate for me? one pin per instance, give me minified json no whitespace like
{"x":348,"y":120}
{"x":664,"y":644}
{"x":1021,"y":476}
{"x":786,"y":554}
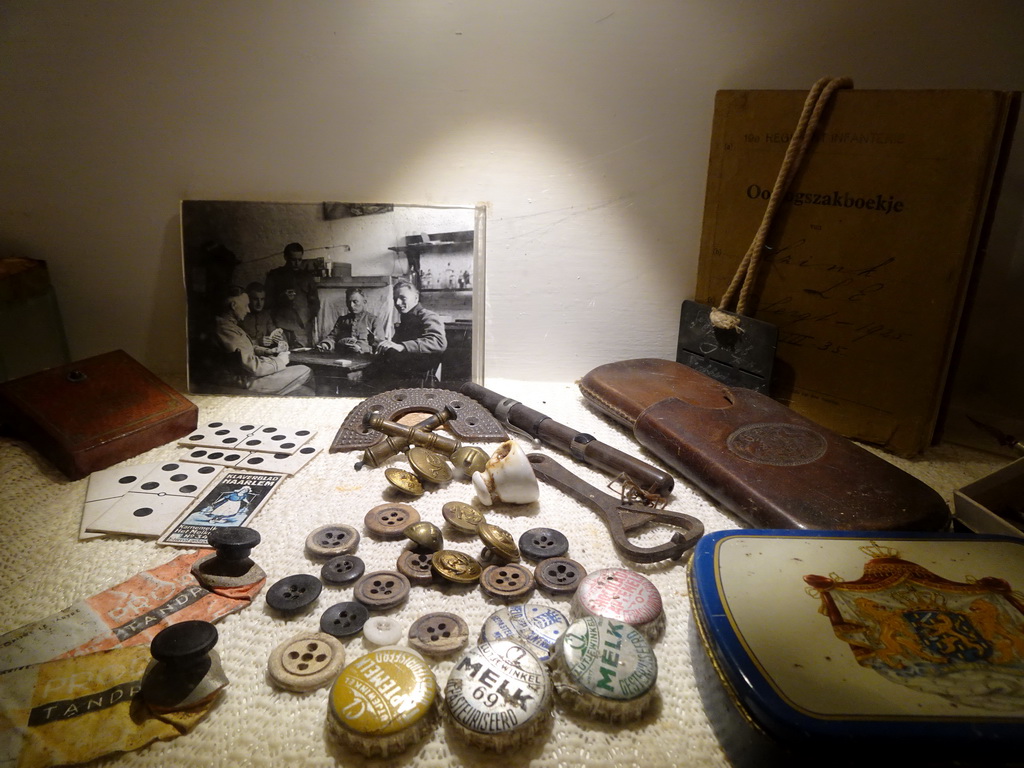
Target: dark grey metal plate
{"x":737,"y":358}
{"x":472,"y":423}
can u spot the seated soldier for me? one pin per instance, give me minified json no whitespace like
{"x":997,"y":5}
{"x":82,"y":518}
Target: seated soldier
{"x":413,"y":353}
{"x":358,"y":331}
{"x":266,"y":337}
{"x":260,"y":374}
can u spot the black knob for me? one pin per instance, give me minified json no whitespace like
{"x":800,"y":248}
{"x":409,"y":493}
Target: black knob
{"x":234,"y":543}
{"x":184,"y":644}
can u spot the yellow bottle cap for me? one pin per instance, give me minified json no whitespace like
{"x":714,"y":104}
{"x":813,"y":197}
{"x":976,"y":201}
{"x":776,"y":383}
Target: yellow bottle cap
{"x":383,"y":694}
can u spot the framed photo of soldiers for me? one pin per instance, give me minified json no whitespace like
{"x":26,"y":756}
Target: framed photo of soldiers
{"x":331,"y":299}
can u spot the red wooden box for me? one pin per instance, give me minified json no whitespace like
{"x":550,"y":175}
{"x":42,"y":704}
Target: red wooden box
{"x":93,"y":413}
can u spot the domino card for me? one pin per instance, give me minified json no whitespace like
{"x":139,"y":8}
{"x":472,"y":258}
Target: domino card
{"x":141,"y":514}
{"x":106,"y":487}
{"x":156,"y":500}
{"x":219,"y":434}
{"x":248,"y":437}
{"x":226,"y":457}
{"x":234,"y":500}
{"x":284,"y":463}
{"x":276,"y":439}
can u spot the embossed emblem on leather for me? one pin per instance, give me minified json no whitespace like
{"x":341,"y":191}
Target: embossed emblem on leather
{"x":780,"y":445}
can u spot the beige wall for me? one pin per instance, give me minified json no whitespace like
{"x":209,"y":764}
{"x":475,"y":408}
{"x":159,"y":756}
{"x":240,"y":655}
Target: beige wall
{"x":583,"y":125}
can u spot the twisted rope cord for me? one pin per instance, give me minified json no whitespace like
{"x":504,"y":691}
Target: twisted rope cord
{"x":744,"y":279}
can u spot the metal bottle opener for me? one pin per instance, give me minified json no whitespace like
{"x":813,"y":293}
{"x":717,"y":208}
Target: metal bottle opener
{"x":622,"y":517}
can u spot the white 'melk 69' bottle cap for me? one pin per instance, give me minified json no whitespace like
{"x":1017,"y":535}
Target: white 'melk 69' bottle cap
{"x":622,"y":595}
{"x":383,"y":702}
{"x":605,"y":668}
{"x":498,"y":696}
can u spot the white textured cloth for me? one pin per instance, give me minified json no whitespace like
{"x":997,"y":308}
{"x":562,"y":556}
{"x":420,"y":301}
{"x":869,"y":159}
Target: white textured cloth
{"x":44,"y":567}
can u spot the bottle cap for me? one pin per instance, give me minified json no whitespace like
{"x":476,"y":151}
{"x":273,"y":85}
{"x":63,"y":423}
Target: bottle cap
{"x":622,"y":595}
{"x":383,"y":702}
{"x":536,"y":626}
{"x":498,"y":696}
{"x":605,"y":668}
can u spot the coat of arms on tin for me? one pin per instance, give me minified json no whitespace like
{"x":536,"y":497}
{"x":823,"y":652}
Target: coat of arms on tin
{"x":963,"y":641}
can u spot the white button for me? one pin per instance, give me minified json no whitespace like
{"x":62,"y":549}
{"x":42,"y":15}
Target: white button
{"x":382,"y":630}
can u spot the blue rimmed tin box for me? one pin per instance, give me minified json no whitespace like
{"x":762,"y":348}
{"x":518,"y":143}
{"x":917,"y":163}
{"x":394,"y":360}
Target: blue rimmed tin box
{"x":834,"y":648}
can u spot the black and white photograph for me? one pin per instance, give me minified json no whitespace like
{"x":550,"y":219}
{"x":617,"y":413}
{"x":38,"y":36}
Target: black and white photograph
{"x":331,"y":299}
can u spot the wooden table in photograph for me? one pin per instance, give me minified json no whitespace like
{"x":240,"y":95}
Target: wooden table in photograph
{"x":334,"y":374}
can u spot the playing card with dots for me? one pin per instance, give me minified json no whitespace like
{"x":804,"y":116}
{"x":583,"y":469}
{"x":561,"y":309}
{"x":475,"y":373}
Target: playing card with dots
{"x":225,"y":457}
{"x":248,"y":437}
{"x":283,"y":463}
{"x":106,"y":487}
{"x":276,"y":439}
{"x":157,"y":499}
{"x":220,"y":434}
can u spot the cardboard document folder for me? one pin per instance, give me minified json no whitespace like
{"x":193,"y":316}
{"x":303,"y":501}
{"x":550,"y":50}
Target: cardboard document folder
{"x":869,"y":259}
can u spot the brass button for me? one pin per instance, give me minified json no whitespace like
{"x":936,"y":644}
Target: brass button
{"x":499,"y":540}
{"x":469,"y":459}
{"x":389,"y":521}
{"x":415,"y":566}
{"x":428,"y":465}
{"x":404,"y":481}
{"x":382,"y":590}
{"x":425,"y":535}
{"x":438,"y":634}
{"x":507,"y":582}
{"x":559,"y":575}
{"x":461,"y":516}
{"x":489,"y":556}
{"x":456,"y":566}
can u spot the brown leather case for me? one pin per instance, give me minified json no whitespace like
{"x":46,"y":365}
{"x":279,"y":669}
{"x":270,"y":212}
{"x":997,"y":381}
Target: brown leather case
{"x":94,"y":413}
{"x":761,"y":461}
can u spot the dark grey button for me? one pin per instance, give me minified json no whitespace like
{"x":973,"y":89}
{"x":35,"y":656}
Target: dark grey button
{"x":415,"y":566}
{"x":382,"y":590}
{"x":507,"y":582}
{"x":344,"y":619}
{"x":541,"y":543}
{"x":343,"y":569}
{"x":559,"y":575}
{"x":293,"y":593}
{"x":331,"y":540}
